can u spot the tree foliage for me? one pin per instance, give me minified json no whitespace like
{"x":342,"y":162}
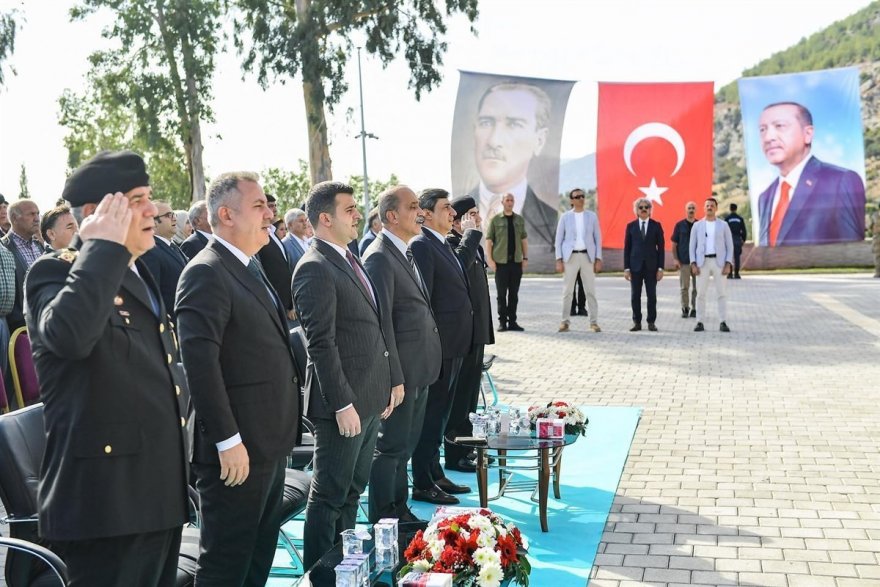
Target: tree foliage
{"x":314,"y":39}
{"x":160,"y":73}
{"x":24,"y":191}
{"x":8,"y":27}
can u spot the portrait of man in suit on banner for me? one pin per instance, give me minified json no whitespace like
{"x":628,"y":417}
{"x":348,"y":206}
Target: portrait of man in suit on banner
{"x":805,"y":157}
{"x":506,"y":139}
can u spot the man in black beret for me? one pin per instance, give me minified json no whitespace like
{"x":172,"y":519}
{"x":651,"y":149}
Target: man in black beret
{"x":112,"y":494}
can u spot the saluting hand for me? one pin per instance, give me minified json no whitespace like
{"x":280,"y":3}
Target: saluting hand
{"x":109,"y":222}
{"x":234,"y":465}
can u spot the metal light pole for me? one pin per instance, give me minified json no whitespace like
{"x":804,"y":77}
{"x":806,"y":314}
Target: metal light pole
{"x":363,"y":136}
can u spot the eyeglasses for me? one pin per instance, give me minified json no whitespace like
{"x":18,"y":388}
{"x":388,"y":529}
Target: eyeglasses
{"x":580,"y":197}
{"x":644,"y":207}
{"x":168,"y":215}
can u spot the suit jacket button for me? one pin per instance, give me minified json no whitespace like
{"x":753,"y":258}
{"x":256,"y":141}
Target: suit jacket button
{"x":176,"y":390}
{"x":169,"y":358}
{"x":294,"y":379}
{"x":386,"y":353}
{"x":108,"y":449}
{"x":435,"y":329}
{"x":161,"y":328}
{"x":183,"y":422}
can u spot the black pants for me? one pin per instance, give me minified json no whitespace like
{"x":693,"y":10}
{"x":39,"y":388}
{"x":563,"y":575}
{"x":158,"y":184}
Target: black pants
{"x":649,"y":278}
{"x":467,"y":395}
{"x":341,"y":472}
{"x":578,"y":297}
{"x":507,"y":279}
{"x":397,"y":439}
{"x":426,"y":458}
{"x":240,"y":525}
{"x":737,"y":253}
{"x":145,"y":560}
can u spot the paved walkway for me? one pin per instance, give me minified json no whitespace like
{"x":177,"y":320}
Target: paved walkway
{"x":757,"y":459}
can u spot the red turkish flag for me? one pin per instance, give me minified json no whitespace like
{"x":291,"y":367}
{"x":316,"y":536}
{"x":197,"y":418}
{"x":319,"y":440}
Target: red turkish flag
{"x":654,"y":141}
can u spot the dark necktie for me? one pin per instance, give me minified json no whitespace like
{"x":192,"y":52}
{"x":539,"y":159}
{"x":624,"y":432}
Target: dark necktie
{"x":643,"y":228}
{"x":415,"y":269}
{"x":255,"y":270}
{"x":451,"y":252}
{"x":357,"y":271}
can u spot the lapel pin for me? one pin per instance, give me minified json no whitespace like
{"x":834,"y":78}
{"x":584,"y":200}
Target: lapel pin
{"x":117,"y":301}
{"x":809,"y":183}
{"x":124,"y":313}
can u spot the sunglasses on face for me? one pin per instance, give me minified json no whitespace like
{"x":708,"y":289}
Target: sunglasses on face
{"x":644,"y":207}
{"x":580,"y":197}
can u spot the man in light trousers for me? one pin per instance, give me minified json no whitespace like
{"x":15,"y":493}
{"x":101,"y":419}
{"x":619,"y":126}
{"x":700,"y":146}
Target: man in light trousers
{"x":711,"y":254}
{"x":579,"y":248}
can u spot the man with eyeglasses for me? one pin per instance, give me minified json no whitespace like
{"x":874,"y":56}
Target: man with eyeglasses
{"x":165,"y":261}
{"x":681,"y":239}
{"x":579,"y":249}
{"x":643,"y":259}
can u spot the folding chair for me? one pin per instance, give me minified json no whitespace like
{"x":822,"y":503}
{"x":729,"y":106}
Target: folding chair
{"x":21,"y":365}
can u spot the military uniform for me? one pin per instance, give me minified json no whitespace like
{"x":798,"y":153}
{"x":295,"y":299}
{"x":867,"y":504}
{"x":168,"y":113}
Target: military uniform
{"x":113,"y":481}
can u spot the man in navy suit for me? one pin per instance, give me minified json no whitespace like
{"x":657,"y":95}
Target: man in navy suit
{"x":296,"y":243}
{"x":165,"y":261}
{"x":811,"y":202}
{"x":643,"y":257}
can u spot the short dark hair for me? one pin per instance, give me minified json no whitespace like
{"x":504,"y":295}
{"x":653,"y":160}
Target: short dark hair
{"x":50,"y":219}
{"x":322,"y":198}
{"x":733,"y":207}
{"x":428,"y":198}
{"x":803,"y":113}
{"x":710,"y":199}
{"x":573,"y":190}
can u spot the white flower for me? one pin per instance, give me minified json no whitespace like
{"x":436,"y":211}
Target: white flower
{"x":502,"y":530}
{"x":436,"y":548}
{"x":422,"y":566}
{"x":490,"y":576}
{"x":479,"y":522}
{"x":486,"y":539}
{"x":487,"y":556}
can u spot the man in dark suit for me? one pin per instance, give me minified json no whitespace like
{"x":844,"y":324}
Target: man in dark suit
{"x":353,"y":376}
{"x":811,"y":202}
{"x":738,"y":229}
{"x":112,"y":493}
{"x":245,"y":393}
{"x":296,"y":242}
{"x":278,"y":269}
{"x":411,"y":329}
{"x":201,"y":234}
{"x":643,"y":257}
{"x":447,"y":286}
{"x":25,"y":225}
{"x":467,"y":388}
{"x":374,"y":225}
{"x":165,"y":261}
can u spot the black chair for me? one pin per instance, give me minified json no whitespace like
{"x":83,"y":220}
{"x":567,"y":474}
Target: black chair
{"x":55,"y":570}
{"x":22,"y":443}
{"x":303,"y":453}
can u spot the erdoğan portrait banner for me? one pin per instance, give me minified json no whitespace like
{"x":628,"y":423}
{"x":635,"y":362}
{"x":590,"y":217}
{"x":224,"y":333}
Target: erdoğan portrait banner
{"x":654,"y":141}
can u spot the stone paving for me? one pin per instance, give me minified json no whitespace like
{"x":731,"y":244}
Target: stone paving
{"x":757,"y":458}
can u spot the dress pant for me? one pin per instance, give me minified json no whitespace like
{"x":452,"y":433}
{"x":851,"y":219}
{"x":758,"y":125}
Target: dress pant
{"x":426,"y":458}
{"x":397,"y":439}
{"x":737,"y":254}
{"x":579,"y":263}
{"x":239,"y":525}
{"x":467,"y":395}
{"x":142,"y":560}
{"x":341,"y":472}
{"x":649,"y":279}
{"x":507,"y":279}
{"x":578,"y":298}
{"x":711,"y":269}
{"x":688,"y":283}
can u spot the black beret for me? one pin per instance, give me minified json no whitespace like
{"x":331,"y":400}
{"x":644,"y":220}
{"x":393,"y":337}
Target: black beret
{"x":2,"y":200}
{"x":462,"y":205}
{"x":270,"y":198}
{"x":107,"y":172}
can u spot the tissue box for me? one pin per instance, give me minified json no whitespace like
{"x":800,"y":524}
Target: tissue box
{"x":415,"y":579}
{"x":550,"y":427}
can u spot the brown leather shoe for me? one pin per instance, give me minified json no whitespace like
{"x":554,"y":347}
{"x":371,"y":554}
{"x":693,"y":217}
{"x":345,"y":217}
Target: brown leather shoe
{"x":563,"y":327}
{"x":595,"y":328}
{"x":449,"y":487}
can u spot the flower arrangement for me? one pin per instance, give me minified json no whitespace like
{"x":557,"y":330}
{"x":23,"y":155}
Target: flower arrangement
{"x":575,"y":421}
{"x":479,"y":548}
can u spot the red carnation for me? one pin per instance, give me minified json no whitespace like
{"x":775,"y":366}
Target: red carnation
{"x":507,"y":548}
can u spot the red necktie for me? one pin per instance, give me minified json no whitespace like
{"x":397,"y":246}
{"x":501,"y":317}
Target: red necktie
{"x":357,"y":271}
{"x":779,"y":214}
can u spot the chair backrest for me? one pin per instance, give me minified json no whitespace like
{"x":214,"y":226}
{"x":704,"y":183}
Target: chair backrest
{"x":298,"y":344}
{"x":24,"y":372}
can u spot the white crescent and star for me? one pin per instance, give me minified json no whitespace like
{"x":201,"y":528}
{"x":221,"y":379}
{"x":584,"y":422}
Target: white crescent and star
{"x":653,"y":192}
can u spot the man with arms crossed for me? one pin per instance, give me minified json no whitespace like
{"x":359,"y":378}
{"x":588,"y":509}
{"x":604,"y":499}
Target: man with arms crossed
{"x":241,"y":373}
{"x":410,"y":328}
{"x":353,"y":376}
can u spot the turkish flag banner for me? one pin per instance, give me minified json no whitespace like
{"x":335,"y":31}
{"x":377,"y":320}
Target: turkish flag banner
{"x":654,"y":141}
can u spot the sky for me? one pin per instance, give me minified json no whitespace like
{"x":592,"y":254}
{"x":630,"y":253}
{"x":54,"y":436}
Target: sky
{"x":584,"y":40}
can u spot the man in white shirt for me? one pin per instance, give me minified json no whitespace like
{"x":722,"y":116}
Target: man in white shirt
{"x":711,"y":254}
{"x":579,"y":249}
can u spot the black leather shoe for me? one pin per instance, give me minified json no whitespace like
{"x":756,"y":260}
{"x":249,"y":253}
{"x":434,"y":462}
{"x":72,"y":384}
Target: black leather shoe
{"x":724,"y":327}
{"x":582,"y":312}
{"x":636,"y":327}
{"x":573,"y":312}
{"x":449,"y":487}
{"x":406,"y":516}
{"x":693,"y":313}
{"x":737,"y":276}
{"x":434,"y":495}
{"x":699,"y":327}
{"x":685,"y":312}
{"x":502,"y":327}
{"x":515,"y":327}
{"x":463,"y":465}
{"x":651,"y":327}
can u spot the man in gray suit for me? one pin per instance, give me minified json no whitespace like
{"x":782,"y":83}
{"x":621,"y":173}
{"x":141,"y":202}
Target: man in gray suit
{"x":353,"y":375}
{"x":411,"y":329}
{"x":296,"y":241}
{"x":711,"y":253}
{"x":579,"y":249}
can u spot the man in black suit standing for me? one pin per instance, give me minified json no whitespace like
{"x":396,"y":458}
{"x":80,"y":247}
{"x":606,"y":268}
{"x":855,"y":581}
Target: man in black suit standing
{"x":112,"y":493}
{"x":277,"y":266}
{"x":353,"y":376}
{"x":643,"y":257}
{"x":201,"y":234}
{"x":242,"y":377}
{"x":447,"y":286}
{"x":165,"y":261}
{"x":467,"y":389}
{"x":411,"y":329}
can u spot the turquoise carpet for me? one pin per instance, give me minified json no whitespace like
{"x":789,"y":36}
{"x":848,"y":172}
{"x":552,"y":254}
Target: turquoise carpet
{"x":591,"y":470}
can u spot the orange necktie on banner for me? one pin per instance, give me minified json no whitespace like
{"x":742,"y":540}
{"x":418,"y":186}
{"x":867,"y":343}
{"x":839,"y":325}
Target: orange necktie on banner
{"x":779,"y":215}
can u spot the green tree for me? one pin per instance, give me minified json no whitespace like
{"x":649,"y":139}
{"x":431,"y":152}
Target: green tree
{"x":377,"y":186}
{"x":313,"y":39}
{"x":8,"y":27}
{"x":290,"y":188}
{"x":23,"y":191}
{"x":167,"y":53}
